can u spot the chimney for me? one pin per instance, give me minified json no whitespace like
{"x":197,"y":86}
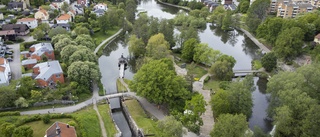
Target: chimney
{"x":48,"y":64}
{"x":58,"y":131}
{"x":68,"y":126}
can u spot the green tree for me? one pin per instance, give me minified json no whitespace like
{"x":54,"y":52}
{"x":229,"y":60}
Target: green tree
{"x":84,"y":72}
{"x":229,"y":125}
{"x":57,"y":38}
{"x":270,"y":29}
{"x":23,"y":131}
{"x":56,"y":31}
{"x":83,"y":54}
{"x":157,"y":47}
{"x":311,"y":124}
{"x":38,"y":34}
{"x":44,"y":27}
{"x":131,"y":7}
{"x":65,"y":7}
{"x":6,"y":129}
{"x":257,"y":13}
{"x":63,"y":43}
{"x":67,"y":51}
{"x":186,"y":33}
{"x":158,"y":83}
{"x":289,"y":43}
{"x":243,"y":6}
{"x":136,"y":46}
{"x":227,"y":21}
{"x":220,"y":104}
{"x":187,"y":52}
{"x":223,"y":67}
{"x":7,"y":97}
{"x":205,"y":55}
{"x":218,"y":15}
{"x":194,"y":108}
{"x":21,"y":102}
{"x":170,"y":127}
{"x":36,"y":95}
{"x":26,"y":85}
{"x":166,"y":28}
{"x":86,"y":41}
{"x":81,"y":30}
{"x":269,"y":61}
{"x":46,"y":118}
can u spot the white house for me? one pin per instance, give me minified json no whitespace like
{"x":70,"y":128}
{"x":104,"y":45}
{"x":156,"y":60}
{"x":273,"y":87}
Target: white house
{"x":30,"y":22}
{"x":63,"y":19}
{"x":42,"y":14}
{"x":1,"y":16}
{"x":102,"y":6}
{"x":5,"y":72}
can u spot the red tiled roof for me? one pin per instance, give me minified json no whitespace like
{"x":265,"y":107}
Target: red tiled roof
{"x":64,"y":17}
{"x":2,"y":69}
{"x":2,"y":61}
{"x":26,"y":19}
{"x":7,"y":32}
{"x":43,"y":11}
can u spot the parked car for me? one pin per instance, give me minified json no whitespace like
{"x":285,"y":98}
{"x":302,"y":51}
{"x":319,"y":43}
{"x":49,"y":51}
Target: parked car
{"x":9,"y":52}
{"x":10,"y":59}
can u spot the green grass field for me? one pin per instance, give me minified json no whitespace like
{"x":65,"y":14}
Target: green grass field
{"x":149,"y":126}
{"x":121,"y":88}
{"x":212,"y":84}
{"x":39,"y":128}
{"x":100,"y":36}
{"x":196,"y":70}
{"x":104,"y":111}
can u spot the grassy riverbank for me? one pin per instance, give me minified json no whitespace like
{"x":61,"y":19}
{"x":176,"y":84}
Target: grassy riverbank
{"x":101,"y":36}
{"x":149,"y":126}
{"x":104,"y":111}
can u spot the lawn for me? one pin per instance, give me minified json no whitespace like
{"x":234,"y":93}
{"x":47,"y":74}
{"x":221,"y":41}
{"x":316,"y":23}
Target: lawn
{"x":104,"y":111}
{"x":256,"y":64}
{"x":120,"y":87}
{"x":196,"y":70}
{"x":39,"y":128}
{"x":98,"y":37}
{"x":88,"y":122}
{"x":149,"y":126}
{"x":212,"y":84}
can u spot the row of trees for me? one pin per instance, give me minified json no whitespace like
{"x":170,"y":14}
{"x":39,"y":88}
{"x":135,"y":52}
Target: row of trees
{"x":10,"y":130}
{"x":224,"y":18}
{"x":294,"y":102}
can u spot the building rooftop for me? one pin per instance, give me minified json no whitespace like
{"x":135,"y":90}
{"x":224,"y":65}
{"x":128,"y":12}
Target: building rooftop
{"x":64,"y":17}
{"x":59,"y":129}
{"x":29,"y":61}
{"x":26,"y":19}
{"x":47,"y":69}
{"x":41,"y":48}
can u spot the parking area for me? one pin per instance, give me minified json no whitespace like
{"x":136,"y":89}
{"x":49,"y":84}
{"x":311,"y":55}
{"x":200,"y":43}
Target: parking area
{"x":15,"y":64}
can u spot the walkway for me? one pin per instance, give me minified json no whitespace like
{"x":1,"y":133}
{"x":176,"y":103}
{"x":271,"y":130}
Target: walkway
{"x":207,"y":116}
{"x":106,"y":40}
{"x":103,"y":129}
{"x":260,"y":45}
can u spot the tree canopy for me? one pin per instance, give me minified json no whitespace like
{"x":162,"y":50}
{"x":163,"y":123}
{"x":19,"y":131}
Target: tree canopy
{"x":170,"y":127}
{"x":229,"y":125}
{"x":84,"y":72}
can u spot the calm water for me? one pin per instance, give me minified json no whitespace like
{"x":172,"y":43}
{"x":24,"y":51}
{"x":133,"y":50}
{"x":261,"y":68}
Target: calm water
{"x":232,"y":43}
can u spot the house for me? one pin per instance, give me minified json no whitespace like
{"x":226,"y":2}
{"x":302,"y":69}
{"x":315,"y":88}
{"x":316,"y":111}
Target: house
{"x":317,"y":39}
{"x":65,"y":26}
{"x":99,"y":12}
{"x":31,"y":22}
{"x":1,"y":16}
{"x":102,"y":6}
{"x":17,"y":6}
{"x":19,"y":29}
{"x":53,"y":6}
{"x":63,"y":19}
{"x":42,"y":15}
{"x":8,"y":35}
{"x":48,"y":73}
{"x":9,"y":18}
{"x":72,"y":13}
{"x":40,"y":50}
{"x":5,"y":72}
{"x":29,"y":63}
{"x":59,"y":129}
{"x":83,"y":2}
{"x":59,"y":3}
{"x":289,"y":9}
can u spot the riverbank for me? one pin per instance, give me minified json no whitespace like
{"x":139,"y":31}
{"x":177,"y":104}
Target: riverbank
{"x":177,"y":6}
{"x":98,"y":49}
{"x":255,"y":41}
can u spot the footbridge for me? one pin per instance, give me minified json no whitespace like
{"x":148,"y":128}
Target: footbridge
{"x":245,"y":72}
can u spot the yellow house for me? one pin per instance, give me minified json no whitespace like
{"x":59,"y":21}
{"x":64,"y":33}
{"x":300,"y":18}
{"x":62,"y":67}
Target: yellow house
{"x":317,"y":39}
{"x":42,"y":14}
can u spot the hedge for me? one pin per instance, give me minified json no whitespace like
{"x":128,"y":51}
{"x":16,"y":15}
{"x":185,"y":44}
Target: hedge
{"x":27,"y":45}
{"x":10,"y":113}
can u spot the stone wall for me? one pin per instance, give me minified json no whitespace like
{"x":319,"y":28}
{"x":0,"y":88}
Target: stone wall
{"x":119,"y":134}
{"x":136,"y":131}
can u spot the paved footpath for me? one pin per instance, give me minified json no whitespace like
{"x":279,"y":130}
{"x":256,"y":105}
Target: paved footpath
{"x":207,"y":116}
{"x":260,"y":45}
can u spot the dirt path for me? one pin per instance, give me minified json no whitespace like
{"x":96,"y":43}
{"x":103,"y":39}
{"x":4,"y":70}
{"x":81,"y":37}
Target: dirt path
{"x":103,"y":129}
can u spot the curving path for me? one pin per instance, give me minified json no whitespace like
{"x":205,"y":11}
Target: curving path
{"x":106,"y":40}
{"x":260,"y":45}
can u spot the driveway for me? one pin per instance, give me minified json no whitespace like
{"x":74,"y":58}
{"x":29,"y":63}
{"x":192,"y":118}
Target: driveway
{"x":15,"y":65}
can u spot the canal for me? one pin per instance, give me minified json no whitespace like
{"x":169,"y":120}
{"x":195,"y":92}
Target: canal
{"x":233,"y":43}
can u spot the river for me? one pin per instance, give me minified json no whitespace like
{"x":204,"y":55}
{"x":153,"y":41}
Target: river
{"x":232,"y":43}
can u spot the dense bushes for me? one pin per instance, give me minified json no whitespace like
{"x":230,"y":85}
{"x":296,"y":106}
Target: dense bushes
{"x":8,"y":42}
{"x":46,"y":118}
{"x":10,"y":113}
{"x":27,"y":45}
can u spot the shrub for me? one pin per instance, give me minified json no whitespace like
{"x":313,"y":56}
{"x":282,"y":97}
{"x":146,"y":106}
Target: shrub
{"x":19,"y":40}
{"x":27,"y":120}
{"x":8,"y":42}
{"x":206,"y":79}
{"x":72,"y":123}
{"x":10,"y":113}
{"x":27,"y":45}
{"x":46,"y":118}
